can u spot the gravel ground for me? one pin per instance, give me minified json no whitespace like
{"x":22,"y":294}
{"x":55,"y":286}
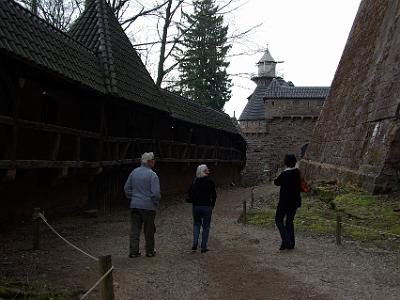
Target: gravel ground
{"x":243,"y":262}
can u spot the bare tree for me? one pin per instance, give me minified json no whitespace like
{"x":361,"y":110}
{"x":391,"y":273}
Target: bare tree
{"x":172,"y":29}
{"x":59,"y":13}
{"x":165,"y":16}
{"x":62,"y":13}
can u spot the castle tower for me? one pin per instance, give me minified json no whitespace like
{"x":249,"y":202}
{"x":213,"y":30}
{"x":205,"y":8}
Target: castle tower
{"x":267,"y":65}
{"x":277,"y":119}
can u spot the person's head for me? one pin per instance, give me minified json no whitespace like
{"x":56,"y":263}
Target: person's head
{"x":202,"y":171}
{"x":148,"y":159}
{"x":290,"y":160}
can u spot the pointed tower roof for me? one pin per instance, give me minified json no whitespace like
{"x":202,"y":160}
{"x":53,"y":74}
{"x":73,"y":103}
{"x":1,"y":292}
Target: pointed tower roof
{"x":124,"y":73}
{"x":267,"y":57}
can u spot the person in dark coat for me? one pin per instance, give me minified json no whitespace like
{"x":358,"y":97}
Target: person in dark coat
{"x":289,"y":201}
{"x":202,"y":195}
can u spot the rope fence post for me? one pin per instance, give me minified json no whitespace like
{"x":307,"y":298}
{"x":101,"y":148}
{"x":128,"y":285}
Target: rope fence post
{"x":338,"y":230}
{"x":36,"y":228}
{"x":252,"y":199}
{"x":107,"y":286}
{"x":244,"y":213}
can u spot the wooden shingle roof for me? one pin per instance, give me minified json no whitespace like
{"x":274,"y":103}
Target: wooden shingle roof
{"x":277,"y":89}
{"x":31,"y":39}
{"x":98,"y":55}
{"x":189,"y":111}
{"x":125,"y":74}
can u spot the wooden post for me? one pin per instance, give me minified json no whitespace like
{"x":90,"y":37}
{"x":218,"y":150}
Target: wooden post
{"x":244,"y":213}
{"x":338,"y":230}
{"x":77,"y":148}
{"x":56,"y":147}
{"x":107,"y":286}
{"x":252,"y":198}
{"x":36,"y":228}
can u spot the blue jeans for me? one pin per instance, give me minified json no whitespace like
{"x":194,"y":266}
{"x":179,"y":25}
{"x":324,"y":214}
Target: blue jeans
{"x":286,"y":229}
{"x":201,"y":218}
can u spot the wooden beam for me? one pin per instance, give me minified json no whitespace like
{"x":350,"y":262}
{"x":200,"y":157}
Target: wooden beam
{"x":125,"y":150}
{"x":187,"y":146}
{"x":43,"y":164}
{"x":77,"y":154}
{"x":49,"y":127}
{"x":116,"y":152}
{"x":102,"y":133}
{"x":56,"y":147}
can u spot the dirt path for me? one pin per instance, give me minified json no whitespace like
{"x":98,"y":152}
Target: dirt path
{"x":243,"y":262}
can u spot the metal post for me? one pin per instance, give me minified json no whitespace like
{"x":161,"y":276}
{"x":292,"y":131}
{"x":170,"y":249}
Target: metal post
{"x":244,"y":213}
{"x":338,"y":230}
{"x":107,"y":286}
{"x":36,"y":228}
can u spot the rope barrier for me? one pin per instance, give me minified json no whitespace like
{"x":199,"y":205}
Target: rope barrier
{"x":84,"y":296}
{"x":40,"y":215}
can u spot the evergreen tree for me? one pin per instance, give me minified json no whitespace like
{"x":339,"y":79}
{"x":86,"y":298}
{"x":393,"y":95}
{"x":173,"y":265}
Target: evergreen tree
{"x":203,"y":62}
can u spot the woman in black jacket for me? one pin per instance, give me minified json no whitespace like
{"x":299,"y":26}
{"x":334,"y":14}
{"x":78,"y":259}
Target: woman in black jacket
{"x":289,"y":201}
{"x":202,"y":194}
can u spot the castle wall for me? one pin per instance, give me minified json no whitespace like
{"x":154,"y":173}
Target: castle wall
{"x":287,"y":128}
{"x":357,"y":138}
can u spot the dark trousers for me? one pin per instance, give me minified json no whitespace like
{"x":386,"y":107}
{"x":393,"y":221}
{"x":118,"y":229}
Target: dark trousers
{"x":140,"y":217}
{"x":286,"y":229}
{"x":201,"y":218}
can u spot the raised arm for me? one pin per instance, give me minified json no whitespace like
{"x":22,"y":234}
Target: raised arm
{"x":278,"y":180}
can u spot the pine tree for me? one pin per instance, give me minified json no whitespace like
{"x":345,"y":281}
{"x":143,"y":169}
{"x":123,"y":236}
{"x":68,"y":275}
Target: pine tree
{"x":203,"y":64}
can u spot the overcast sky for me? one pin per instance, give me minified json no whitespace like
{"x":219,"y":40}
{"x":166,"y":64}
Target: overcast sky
{"x":308,"y":35}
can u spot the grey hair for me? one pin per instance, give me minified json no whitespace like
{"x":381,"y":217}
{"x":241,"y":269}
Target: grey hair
{"x":146,"y":157}
{"x":201,"y":171}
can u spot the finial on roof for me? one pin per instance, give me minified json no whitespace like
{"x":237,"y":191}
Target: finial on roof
{"x":34,"y":7}
{"x":267,"y":57}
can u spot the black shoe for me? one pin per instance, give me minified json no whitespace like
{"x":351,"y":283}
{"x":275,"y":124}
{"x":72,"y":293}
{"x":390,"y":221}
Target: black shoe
{"x":291,"y":247}
{"x":283,"y":247}
{"x":137,"y":254}
{"x":204,"y":250}
{"x":151,"y":254}
{"x":194,"y":247}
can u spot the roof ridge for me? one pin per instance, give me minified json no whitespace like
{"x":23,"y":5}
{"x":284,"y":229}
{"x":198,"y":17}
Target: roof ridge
{"x":105,"y":33}
{"x":49,"y":25}
{"x":195,"y":103}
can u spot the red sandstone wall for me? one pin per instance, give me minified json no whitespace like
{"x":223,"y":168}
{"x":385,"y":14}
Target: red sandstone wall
{"x":356,"y":131}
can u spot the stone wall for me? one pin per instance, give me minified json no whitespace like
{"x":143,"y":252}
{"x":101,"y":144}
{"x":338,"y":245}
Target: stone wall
{"x":287,"y":128}
{"x":293,"y":108}
{"x":357,"y":139}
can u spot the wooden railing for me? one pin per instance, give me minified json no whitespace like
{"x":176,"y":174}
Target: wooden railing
{"x":75,"y":148}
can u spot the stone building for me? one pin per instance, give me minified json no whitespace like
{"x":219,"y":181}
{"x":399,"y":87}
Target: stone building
{"x":279,"y":118}
{"x":357,"y":139}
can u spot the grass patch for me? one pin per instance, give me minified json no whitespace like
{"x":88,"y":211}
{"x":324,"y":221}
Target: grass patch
{"x":320,"y":208}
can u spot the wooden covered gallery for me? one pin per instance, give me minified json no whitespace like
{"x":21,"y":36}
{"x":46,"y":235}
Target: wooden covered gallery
{"x":77,"y":109}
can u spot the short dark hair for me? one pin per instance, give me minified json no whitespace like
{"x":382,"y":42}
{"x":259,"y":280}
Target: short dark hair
{"x":290,"y":160}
